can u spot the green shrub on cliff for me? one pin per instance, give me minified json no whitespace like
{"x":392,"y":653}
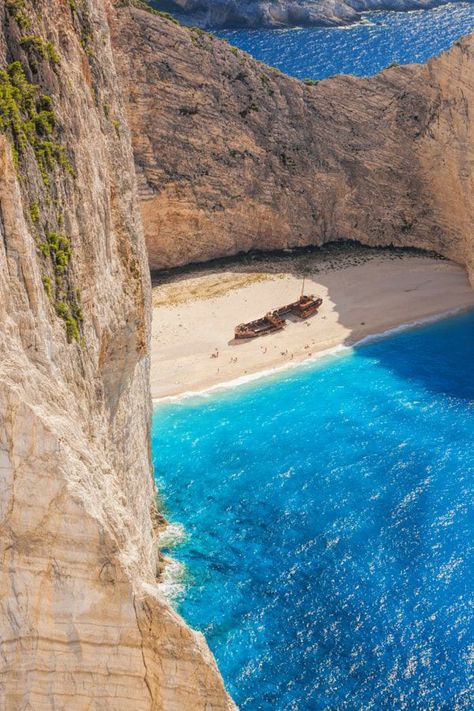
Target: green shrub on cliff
{"x":60,"y":251}
{"x":56,"y":249}
{"x":37,"y":48}
{"x":28,"y":116}
{"x":71,"y":321}
{"x":15,"y":9}
{"x":34,"y":212}
{"x":50,"y":154}
{"x":143,"y":5}
{"x":48,"y":285}
{"x":17,"y":103}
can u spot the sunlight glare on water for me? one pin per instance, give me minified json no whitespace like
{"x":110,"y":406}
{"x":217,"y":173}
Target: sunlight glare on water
{"x":363,"y":49}
{"x":328,"y":526}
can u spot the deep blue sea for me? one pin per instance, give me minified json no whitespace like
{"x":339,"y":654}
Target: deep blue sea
{"x":328,"y":514}
{"x":363,"y":49}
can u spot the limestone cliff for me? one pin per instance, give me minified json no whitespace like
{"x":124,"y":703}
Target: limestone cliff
{"x":232,"y":156}
{"x":82,"y":623}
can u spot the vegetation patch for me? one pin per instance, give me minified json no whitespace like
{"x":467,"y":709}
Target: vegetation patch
{"x":48,"y":285}
{"x":56,"y":249}
{"x":66,"y":302}
{"x":15,"y":9}
{"x":28,"y":119}
{"x":38,"y":49}
{"x":34,"y":212}
{"x":207,"y":286}
{"x":143,"y":5}
{"x":59,"y":250}
{"x":198,"y":38}
{"x":71,"y":320}
{"x":28,"y":116}
{"x":83,"y":24}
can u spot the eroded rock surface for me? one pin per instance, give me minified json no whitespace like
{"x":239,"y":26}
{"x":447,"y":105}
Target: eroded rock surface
{"x":82,"y":623}
{"x":232,"y":156}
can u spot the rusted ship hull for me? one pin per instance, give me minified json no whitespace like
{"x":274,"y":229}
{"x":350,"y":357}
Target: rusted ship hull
{"x":260,"y":327}
{"x":305,"y":307}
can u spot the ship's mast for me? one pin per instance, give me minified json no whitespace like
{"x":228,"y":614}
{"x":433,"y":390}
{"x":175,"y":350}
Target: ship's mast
{"x":302,"y":288}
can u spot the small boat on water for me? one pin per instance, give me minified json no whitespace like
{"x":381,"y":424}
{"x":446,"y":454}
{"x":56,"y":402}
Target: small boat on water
{"x":305,"y":307}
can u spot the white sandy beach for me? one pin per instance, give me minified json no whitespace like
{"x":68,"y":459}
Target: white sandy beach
{"x":364,"y":292}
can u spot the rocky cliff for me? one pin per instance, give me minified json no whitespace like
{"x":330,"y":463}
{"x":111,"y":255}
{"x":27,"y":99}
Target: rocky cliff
{"x":283,"y":13}
{"x":82,"y":622}
{"x":232,"y":156}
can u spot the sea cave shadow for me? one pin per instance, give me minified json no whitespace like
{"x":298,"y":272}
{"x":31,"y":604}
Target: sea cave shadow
{"x":429,"y":357}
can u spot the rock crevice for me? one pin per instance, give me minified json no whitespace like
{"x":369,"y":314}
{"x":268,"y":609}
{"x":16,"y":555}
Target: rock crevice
{"x":82,"y":620}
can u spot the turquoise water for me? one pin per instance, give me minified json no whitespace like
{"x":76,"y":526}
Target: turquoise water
{"x":329,"y":526}
{"x":362,"y":49}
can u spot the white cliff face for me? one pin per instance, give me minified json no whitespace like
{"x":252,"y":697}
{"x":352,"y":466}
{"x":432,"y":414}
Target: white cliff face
{"x":82,"y":624}
{"x":257,"y":160}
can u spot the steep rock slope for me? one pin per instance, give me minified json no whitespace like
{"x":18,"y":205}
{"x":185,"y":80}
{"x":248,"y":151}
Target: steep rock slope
{"x":82,"y":624}
{"x":284,"y":13}
{"x":233,"y":156}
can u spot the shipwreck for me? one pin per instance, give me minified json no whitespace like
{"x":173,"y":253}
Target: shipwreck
{"x":303,"y":308}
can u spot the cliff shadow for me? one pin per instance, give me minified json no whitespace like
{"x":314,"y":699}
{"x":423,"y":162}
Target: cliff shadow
{"x":364,"y":301}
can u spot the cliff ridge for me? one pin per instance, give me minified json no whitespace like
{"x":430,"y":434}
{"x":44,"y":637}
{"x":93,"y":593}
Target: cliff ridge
{"x":232,"y":155}
{"x":83,"y":623}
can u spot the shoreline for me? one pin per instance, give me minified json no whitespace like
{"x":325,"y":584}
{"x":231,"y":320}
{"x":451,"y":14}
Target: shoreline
{"x":336,"y":22}
{"x":367,"y":295}
{"x":326,"y":353}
